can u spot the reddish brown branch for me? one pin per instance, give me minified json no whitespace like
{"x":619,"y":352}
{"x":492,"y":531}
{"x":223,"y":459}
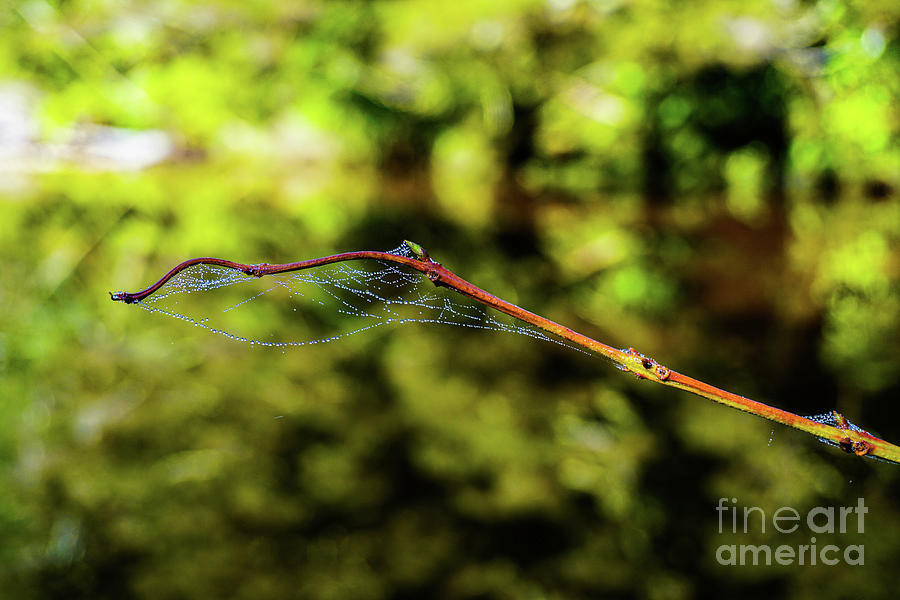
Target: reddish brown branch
{"x":263,"y":269}
{"x":846,"y":437}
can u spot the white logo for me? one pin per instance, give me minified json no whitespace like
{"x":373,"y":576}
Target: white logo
{"x":819,"y":520}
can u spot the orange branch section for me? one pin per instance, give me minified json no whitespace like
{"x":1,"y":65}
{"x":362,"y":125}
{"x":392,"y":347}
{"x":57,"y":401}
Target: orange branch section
{"x":849,"y":439}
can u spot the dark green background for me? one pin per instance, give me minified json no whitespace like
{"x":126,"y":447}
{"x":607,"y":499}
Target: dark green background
{"x":713,"y":183}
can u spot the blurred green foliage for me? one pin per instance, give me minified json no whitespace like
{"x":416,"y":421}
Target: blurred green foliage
{"x":713,"y":183}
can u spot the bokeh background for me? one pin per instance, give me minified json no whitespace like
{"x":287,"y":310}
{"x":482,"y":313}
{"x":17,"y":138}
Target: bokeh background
{"x":714,"y":183}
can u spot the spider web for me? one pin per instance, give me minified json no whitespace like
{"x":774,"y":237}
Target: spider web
{"x":322,"y":304}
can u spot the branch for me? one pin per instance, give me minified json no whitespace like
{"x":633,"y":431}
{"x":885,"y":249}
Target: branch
{"x":849,"y":439}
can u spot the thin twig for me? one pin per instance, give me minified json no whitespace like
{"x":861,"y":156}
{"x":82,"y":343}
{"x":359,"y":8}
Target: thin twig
{"x":849,"y":439}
